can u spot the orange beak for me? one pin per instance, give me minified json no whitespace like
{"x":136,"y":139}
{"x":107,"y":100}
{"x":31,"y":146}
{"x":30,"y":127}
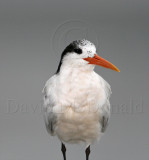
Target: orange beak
{"x":96,"y":60}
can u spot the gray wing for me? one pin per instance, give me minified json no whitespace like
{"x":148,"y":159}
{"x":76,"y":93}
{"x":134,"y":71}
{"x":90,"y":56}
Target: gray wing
{"x":50,"y":117}
{"x":50,"y":122}
{"x":104,"y":119}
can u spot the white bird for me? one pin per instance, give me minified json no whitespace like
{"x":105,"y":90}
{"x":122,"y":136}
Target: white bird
{"x":76,"y":99}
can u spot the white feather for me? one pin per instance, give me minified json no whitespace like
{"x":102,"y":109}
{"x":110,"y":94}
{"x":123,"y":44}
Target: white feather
{"x":76,"y":100}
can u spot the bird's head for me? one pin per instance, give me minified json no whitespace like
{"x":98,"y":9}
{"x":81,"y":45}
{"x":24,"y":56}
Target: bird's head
{"x":82,"y":53}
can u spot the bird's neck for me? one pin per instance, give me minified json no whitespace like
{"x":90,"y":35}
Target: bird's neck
{"x":66,"y":69}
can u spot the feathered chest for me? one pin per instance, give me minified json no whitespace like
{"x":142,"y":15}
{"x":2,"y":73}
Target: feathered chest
{"x":81,"y":89}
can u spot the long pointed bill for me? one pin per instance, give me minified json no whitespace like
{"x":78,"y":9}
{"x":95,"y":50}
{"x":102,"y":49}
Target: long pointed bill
{"x":96,"y":60}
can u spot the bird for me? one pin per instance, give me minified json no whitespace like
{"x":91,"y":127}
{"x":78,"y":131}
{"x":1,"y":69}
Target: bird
{"x":76,"y":99}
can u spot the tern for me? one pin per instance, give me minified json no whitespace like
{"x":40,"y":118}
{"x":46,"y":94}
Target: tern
{"x":76,"y":98}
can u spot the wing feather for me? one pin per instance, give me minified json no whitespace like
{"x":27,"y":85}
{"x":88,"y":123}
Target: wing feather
{"x":104,"y":120}
{"x":50,"y":117}
{"x":105,"y":114}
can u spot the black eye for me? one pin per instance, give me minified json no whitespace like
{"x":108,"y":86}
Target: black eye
{"x":78,"y":50}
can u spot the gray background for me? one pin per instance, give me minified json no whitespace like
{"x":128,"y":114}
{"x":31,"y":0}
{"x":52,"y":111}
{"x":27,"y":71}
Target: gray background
{"x":32,"y":37}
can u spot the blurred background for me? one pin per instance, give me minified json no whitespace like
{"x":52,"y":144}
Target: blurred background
{"x":33,"y":35}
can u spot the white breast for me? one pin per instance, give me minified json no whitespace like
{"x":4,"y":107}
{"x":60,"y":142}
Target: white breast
{"x":79,"y":97}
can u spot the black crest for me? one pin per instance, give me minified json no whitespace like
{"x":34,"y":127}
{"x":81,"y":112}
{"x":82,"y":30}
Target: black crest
{"x":73,"y":47}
